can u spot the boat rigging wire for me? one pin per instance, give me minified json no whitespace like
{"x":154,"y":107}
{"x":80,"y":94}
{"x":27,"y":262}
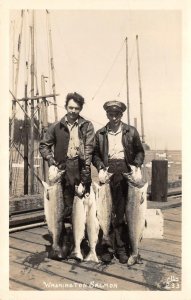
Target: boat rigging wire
{"x":108,"y":72}
{"x":23,"y":109}
{"x":48,"y":47}
{"x":130,"y":64}
{"x":83,"y":114}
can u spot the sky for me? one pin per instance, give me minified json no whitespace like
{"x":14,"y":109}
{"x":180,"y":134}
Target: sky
{"x":90,"y":58}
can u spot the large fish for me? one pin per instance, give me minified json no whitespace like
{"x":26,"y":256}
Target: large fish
{"x":84,"y":215}
{"x":135,"y":212}
{"x":54,"y":208}
{"x":92,"y":225}
{"x":104,"y":207}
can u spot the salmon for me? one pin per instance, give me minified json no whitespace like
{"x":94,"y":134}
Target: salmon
{"x":135,"y":212}
{"x":92,"y":226}
{"x":84,"y":216}
{"x":104,"y":207}
{"x":54,"y":208}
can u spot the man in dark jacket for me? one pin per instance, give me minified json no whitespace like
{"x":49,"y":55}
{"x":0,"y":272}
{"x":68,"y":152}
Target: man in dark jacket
{"x":117,"y":146}
{"x":73,"y":141}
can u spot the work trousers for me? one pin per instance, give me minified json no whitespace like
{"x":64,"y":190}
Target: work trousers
{"x":70,"y":178}
{"x":119,"y":190}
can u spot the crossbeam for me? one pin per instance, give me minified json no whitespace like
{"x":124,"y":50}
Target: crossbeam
{"x":37,"y":97}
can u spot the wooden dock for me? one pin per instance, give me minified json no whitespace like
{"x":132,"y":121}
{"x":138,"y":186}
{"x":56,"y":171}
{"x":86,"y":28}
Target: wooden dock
{"x":31,"y":269}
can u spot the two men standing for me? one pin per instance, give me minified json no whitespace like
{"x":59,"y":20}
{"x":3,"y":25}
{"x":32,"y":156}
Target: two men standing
{"x":116,"y":146}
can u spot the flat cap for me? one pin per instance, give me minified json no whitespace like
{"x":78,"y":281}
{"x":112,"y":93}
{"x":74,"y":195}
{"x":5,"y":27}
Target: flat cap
{"x":114,"y":106}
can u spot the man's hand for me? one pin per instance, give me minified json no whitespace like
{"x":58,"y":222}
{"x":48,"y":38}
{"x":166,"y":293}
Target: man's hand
{"x":104,"y":175}
{"x":101,"y":166}
{"x":136,"y":164}
{"x":52,"y":162}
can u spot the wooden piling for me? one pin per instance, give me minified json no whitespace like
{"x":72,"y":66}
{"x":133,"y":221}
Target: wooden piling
{"x":44,"y":124}
{"x":159,"y":181}
{"x":127,"y":82}
{"x":32,"y":110}
{"x":26,"y":142}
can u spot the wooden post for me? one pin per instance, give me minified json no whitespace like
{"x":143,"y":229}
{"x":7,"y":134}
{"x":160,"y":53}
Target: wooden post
{"x":26,"y":162}
{"x":44,"y":124}
{"x":32,"y":109}
{"x":127,"y":83}
{"x":159,"y":181}
{"x":140,"y":93}
{"x":16,"y":80}
{"x":52,"y":68}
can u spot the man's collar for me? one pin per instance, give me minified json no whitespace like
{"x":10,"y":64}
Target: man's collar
{"x":109,"y":130}
{"x":68,"y":123}
{"x":81,"y":121}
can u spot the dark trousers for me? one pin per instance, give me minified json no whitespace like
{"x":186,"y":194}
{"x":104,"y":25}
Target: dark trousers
{"x":70,"y":179}
{"x":119,"y":190}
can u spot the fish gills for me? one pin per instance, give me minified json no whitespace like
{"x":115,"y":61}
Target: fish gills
{"x":104,"y":207}
{"x":135,"y":214}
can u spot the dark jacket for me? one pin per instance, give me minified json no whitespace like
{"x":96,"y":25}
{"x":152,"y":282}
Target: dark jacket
{"x":57,"y":135}
{"x":133,"y":149}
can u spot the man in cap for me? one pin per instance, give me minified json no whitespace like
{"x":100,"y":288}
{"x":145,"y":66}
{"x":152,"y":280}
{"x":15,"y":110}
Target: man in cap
{"x":73,"y":140}
{"x":117,"y":147}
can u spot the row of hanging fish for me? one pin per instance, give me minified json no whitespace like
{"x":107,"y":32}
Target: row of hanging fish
{"x":93,"y":211}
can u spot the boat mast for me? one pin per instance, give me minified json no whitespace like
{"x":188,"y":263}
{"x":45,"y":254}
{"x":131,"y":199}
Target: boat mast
{"x":44,"y":122}
{"x":32,"y":108}
{"x":52,"y":66}
{"x":15,"y":84}
{"x":26,"y":162}
{"x":13,"y":58}
{"x":127,"y":82}
{"x":140,"y":92}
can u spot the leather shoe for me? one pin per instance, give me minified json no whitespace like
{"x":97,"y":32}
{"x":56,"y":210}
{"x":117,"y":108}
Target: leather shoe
{"x":107,"y":254}
{"x":106,"y":257}
{"x":121,"y":255}
{"x":123,"y":258}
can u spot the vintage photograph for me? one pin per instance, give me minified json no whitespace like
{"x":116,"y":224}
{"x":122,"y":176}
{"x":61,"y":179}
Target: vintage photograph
{"x":95,"y":153}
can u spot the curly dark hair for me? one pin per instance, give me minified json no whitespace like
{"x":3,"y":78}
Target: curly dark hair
{"x":76,"y":97}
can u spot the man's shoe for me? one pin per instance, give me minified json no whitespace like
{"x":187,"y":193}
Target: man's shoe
{"x":106,"y":257}
{"x":121,"y":255}
{"x":123,"y":258}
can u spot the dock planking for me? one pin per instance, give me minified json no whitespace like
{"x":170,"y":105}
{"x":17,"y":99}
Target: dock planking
{"x":31,"y":269}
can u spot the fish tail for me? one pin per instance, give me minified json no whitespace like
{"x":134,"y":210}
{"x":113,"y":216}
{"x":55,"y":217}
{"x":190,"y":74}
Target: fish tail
{"x":92,"y":256}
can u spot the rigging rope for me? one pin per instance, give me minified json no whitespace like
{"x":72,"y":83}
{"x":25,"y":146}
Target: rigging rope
{"x":23,"y":109}
{"x":108,"y":72}
{"x":48,"y":47}
{"x":130,"y":63}
{"x":63,"y":107}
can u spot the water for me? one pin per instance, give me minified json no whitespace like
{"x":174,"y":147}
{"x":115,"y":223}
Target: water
{"x":174,"y":158}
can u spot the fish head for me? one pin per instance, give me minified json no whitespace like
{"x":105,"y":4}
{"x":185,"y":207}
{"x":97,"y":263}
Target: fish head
{"x":79,"y":190}
{"x":54,"y":174}
{"x":45,"y":185}
{"x":144,"y":192}
{"x":46,"y":188}
{"x":104,"y":176}
{"x":134,"y":177}
{"x":136,"y":173}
